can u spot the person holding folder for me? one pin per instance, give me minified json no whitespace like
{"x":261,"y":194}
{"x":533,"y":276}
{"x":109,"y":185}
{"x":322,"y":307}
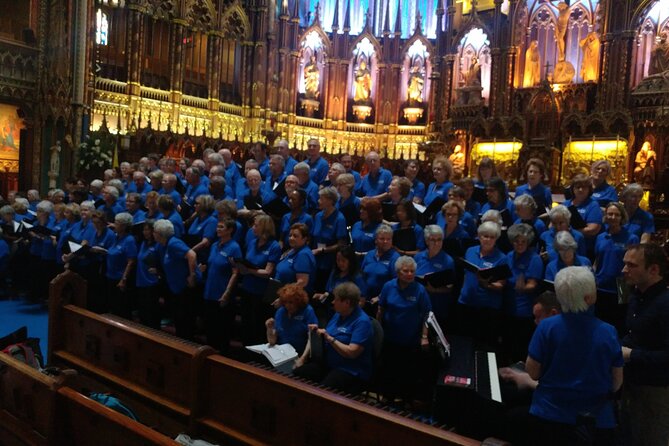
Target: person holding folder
{"x":434,"y":260}
{"x":442,"y":171}
{"x":363,"y":232}
{"x":588,"y":209}
{"x":559,"y":217}
{"x":408,"y":236}
{"x":329,"y":233}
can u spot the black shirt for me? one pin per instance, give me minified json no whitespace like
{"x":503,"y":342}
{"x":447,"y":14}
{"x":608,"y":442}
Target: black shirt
{"x":648,"y":336}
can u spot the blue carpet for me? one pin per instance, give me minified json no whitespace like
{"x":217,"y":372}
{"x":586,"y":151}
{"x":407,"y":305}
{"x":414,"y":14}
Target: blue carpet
{"x":14,"y":314}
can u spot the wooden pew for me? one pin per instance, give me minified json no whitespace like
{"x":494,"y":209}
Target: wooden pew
{"x":152,"y":372}
{"x":82,"y":421}
{"x":27,"y":403}
{"x":274,"y":409}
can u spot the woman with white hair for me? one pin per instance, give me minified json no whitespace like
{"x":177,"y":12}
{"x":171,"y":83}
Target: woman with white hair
{"x":378,"y":265}
{"x":121,"y":259}
{"x":559,"y":217}
{"x":178,"y":263}
{"x":523,"y":287}
{"x":480,"y":298}
{"x":526,"y":210}
{"x":566,"y":247}
{"x":432,"y":260}
{"x":403,"y":309}
{"x":578,"y":362}
{"x":641,"y":223}
{"x":43,"y":249}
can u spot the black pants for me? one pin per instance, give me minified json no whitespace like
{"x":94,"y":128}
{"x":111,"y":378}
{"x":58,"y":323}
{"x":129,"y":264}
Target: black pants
{"x":335,"y":379}
{"x":118,"y":301}
{"x":401,"y":366}
{"x":482,"y":324}
{"x":550,"y":433}
{"x":184,"y":313}
{"x":254,"y":313}
{"x":219,"y":324}
{"x":148,"y":306}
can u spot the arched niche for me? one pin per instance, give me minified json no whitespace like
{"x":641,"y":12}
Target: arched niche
{"x":416,"y":65}
{"x":653,"y":24}
{"x":364,"y":51}
{"x":312,"y":61}
{"x":475,"y":44}
{"x":540,"y":21}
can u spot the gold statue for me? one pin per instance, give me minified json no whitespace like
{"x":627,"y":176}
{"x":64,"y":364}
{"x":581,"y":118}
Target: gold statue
{"x":561,"y":29}
{"x":416,"y":81}
{"x":532,"y":73}
{"x":311,"y":79}
{"x":457,"y":159}
{"x":473,"y":74}
{"x":659,"y":56}
{"x":363,"y":82}
{"x":644,"y":169}
{"x":590,"y":46}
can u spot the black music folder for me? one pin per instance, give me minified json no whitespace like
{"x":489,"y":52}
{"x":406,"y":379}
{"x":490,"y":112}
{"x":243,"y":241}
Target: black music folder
{"x":576,"y":221}
{"x":350,"y":213}
{"x":245,"y":262}
{"x":438,"y":279}
{"x":252,"y":203}
{"x":272,"y":291}
{"x":41,"y":231}
{"x":389,"y":210}
{"x":549,"y":285}
{"x":179,"y":187}
{"x":276,"y":207}
{"x":405,"y":239}
{"x":427,"y":215}
{"x":279,"y":188}
{"x":500,"y":272}
{"x":480,"y":195}
{"x":185,"y":210}
{"x":137,"y":230}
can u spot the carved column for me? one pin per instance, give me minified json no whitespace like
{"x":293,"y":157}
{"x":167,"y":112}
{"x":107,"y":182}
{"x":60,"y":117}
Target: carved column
{"x":214,"y":48}
{"x":447,"y":85}
{"x":178,"y":33}
{"x":134,"y":31}
{"x":497,"y":69}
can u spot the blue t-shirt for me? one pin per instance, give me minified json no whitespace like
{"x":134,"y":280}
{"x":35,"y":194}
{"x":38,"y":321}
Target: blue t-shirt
{"x":363,"y":238}
{"x":289,"y":165}
{"x":417,"y":190}
{"x":177,"y":223}
{"x":318,"y":170}
{"x":576,"y":353}
{"x":4,"y":255}
{"x":264,"y":195}
{"x":241,"y":188}
{"x":376,"y":185}
{"x":405,"y":311}
{"x":378,"y":270}
{"x":590,"y":213}
{"x":336,"y":279}
{"x":110,"y":211}
{"x":287,"y":221}
{"x":328,"y":231}
{"x":554,"y":266}
{"x":118,"y":254}
{"x":294,"y":330}
{"x":260,"y":256}
{"x":219,"y":268}
{"x":641,"y":222}
{"x":297,"y":262}
{"x":530,"y":265}
{"x":63,"y":238}
{"x":175,"y":264}
{"x":232,"y":176}
{"x":541,"y":194}
{"x":311,"y":189}
{"x":472,"y":294}
{"x":354,"y":329}
{"x":49,"y":251}
{"x":506,"y":204}
{"x":148,"y":257}
{"x":427,"y":265}
{"x":435,"y":190}
{"x":609,"y":252}
{"x":205,"y":228}
{"x":138,"y":217}
{"x":604,"y":194}
{"x":192,"y":192}
{"x":263,"y":168}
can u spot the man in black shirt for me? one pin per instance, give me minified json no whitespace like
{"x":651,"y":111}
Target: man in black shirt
{"x":645,"y":406}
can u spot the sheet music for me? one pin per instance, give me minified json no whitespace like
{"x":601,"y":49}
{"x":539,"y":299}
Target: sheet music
{"x":432,"y":321}
{"x":495,"y":392}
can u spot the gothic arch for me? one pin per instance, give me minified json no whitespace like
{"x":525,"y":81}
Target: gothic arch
{"x":200,"y":14}
{"x":472,"y":23}
{"x":378,"y":51}
{"x":162,"y":9}
{"x":327,"y":45}
{"x":414,"y":38}
{"x":234,"y":23}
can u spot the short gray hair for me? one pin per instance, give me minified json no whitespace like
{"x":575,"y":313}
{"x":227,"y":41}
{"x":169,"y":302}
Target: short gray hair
{"x":572,"y":285}
{"x":383,"y":229}
{"x":97,"y":184}
{"x":123,"y":218}
{"x":521,"y":230}
{"x":559,"y":211}
{"x":330,"y":193}
{"x":117,"y":184}
{"x":301,"y":167}
{"x":346,"y":179}
{"x":432,"y":230}
{"x":278,"y":159}
{"x":489,"y":228}
{"x":525,"y":201}
{"x":163,"y":228}
{"x":45,"y":206}
{"x":111,"y":190}
{"x":339,"y":167}
{"x":88,"y":204}
{"x":404,"y":261}
{"x":564,"y":241}
{"x":634,"y":188}
{"x":21,"y":204}
{"x":492,"y":215}
{"x":7,"y":210}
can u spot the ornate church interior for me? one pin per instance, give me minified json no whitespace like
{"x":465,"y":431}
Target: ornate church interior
{"x":89,"y":85}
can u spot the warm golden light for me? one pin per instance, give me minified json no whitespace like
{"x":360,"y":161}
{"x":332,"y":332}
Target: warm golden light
{"x":578,"y":157}
{"x":493,"y":149}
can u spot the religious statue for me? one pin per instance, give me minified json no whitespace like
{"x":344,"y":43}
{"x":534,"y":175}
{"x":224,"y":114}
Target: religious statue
{"x":457,"y":159}
{"x":363,"y":82}
{"x":416,"y":81}
{"x":473,"y":74}
{"x":659,"y":56}
{"x":644,"y":164}
{"x":311,"y":79}
{"x":54,"y":165}
{"x":532,"y":65}
{"x":590,"y":46}
{"x":561,"y":29}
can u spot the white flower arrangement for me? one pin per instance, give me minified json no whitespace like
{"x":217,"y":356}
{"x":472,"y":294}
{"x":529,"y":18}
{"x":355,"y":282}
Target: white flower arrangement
{"x":95,"y":153}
